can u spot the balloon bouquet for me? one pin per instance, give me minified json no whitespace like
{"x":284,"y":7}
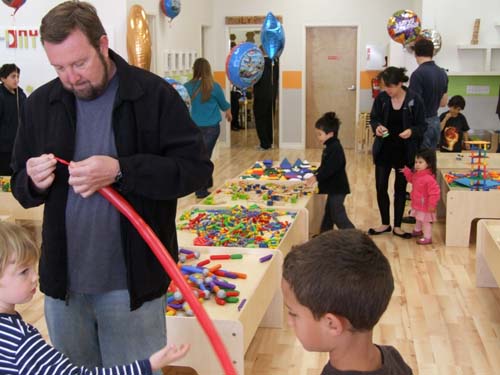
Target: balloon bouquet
{"x":404,"y":27}
{"x":245,"y":62}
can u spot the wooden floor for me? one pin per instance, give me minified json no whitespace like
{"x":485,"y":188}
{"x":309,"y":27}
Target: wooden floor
{"x":440,"y":322}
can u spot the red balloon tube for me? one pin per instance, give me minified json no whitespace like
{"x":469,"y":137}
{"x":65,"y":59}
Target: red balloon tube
{"x":169,"y":265}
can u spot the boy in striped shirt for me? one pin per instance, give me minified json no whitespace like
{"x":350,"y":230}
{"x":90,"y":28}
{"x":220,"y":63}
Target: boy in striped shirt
{"x":22,"y":348}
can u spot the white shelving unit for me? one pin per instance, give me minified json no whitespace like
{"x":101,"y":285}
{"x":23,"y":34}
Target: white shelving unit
{"x":487,"y":48}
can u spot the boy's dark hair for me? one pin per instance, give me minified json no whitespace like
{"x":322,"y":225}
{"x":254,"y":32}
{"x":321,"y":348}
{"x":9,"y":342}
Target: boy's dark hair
{"x":424,"y":48}
{"x":329,"y":122}
{"x":343,"y":273}
{"x":393,"y":75}
{"x":69,"y":16}
{"x":7,"y":69}
{"x":429,"y":155}
{"x":457,"y":101}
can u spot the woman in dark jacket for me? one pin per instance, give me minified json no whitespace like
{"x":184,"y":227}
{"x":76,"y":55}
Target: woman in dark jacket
{"x":12,"y":100}
{"x":398,"y":121}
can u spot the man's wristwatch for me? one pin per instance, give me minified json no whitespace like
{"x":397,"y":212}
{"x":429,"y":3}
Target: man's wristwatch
{"x":118,"y":177}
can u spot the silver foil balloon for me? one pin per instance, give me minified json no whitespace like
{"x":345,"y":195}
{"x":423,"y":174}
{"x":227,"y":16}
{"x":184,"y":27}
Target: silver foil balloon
{"x":434,"y":37}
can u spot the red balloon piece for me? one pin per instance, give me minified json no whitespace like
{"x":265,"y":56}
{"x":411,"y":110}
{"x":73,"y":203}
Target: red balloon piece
{"x":16,"y":4}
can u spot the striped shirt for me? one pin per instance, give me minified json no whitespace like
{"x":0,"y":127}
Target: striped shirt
{"x":24,"y":351}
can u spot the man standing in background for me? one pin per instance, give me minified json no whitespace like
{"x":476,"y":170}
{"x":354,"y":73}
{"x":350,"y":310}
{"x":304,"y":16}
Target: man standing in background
{"x":431,"y":83}
{"x":264,"y":103}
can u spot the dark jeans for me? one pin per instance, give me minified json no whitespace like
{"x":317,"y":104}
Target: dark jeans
{"x":382,"y":173}
{"x":335,"y":213}
{"x":432,"y":133}
{"x":210,"y":135}
{"x":235,"y":109}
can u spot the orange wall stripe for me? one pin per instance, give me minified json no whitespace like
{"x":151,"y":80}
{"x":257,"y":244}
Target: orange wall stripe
{"x":366,"y":78}
{"x":220,"y":78}
{"x":292,"y":79}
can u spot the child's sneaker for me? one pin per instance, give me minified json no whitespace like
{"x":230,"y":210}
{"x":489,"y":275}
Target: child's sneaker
{"x":424,"y":241}
{"x":417,"y":233}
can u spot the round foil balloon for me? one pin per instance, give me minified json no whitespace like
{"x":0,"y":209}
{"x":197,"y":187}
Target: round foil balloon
{"x":138,"y":38}
{"x":171,"y":8}
{"x":272,"y":36}
{"x":244,"y":65}
{"x":16,"y":4}
{"x":434,"y":37}
{"x":181,"y":89}
{"x":404,"y":26}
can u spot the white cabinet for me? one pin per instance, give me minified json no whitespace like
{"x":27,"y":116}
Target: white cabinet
{"x":485,"y":57}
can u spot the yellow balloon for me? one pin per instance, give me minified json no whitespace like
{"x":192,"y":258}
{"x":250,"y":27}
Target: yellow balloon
{"x":138,"y":38}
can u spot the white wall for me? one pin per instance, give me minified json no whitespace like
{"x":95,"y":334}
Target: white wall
{"x":35,"y":68}
{"x":183,"y":33}
{"x":454,"y":20}
{"x":372,"y":17}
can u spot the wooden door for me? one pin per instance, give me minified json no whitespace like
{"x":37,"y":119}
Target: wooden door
{"x":331,"y":67}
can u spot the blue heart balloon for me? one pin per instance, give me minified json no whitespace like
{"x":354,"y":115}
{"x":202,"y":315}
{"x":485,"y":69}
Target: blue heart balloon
{"x":245,"y":65}
{"x":171,"y":8}
{"x":272,"y":36}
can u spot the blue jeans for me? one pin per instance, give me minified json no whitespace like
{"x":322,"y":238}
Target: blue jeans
{"x":432,"y":133}
{"x":100,"y":330}
{"x":210,"y":135}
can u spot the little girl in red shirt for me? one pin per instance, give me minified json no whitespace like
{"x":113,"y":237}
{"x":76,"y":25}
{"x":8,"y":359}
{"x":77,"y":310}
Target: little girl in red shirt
{"x":424,"y":195}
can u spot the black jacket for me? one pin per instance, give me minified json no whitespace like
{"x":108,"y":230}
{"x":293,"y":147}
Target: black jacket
{"x":331,"y":175}
{"x":413,"y":118}
{"x":161,"y":155}
{"x":9,"y":116}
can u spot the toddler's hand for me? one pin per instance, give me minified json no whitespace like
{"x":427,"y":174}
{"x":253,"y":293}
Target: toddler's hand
{"x":432,"y":209}
{"x":310,"y":181}
{"x":166,"y":355}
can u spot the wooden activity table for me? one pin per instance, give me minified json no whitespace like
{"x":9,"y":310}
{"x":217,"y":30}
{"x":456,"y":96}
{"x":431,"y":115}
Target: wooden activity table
{"x":488,"y":253}
{"x":263,"y":307}
{"x":463,"y":206}
{"x":313,"y":203}
{"x":10,"y":206}
{"x":454,"y":160}
{"x":296,"y":233}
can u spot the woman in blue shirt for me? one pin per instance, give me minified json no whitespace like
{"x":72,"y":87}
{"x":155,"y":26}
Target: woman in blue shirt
{"x":207,"y":100}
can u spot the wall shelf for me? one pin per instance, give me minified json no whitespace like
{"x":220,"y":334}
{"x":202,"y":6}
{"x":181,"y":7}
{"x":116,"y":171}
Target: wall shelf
{"x":478,"y":46}
{"x":487,"y":48}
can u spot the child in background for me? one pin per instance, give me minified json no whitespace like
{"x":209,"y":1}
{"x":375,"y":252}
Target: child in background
{"x":331,"y":175}
{"x":22,"y":349}
{"x":454,"y":126}
{"x":425,"y":194}
{"x":336,"y":287}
